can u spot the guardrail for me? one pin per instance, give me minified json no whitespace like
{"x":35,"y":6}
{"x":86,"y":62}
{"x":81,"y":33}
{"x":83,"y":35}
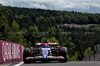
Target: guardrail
{"x":10,"y":52}
{"x":95,"y":57}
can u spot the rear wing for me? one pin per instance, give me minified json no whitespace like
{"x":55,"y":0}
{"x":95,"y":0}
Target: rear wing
{"x":46,"y":43}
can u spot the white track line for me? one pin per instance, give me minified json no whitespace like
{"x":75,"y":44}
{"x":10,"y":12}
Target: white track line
{"x":19,"y":64}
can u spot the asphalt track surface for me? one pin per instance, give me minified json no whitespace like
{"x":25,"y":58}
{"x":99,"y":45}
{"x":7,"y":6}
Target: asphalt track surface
{"x":69,"y":63}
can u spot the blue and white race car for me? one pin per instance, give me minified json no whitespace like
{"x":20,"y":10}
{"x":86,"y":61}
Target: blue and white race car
{"x":45,"y":52}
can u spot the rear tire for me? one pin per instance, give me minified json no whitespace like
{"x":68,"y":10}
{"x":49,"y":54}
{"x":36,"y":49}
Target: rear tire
{"x":26,"y":53}
{"x":63,"y":52}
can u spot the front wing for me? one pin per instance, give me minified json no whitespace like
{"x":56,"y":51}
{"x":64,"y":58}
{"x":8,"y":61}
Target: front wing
{"x":48,"y":57}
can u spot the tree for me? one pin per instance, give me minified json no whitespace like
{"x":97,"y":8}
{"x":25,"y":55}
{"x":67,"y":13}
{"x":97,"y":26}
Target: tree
{"x":15,"y":35}
{"x":67,"y":19}
{"x":88,"y":52}
{"x":52,"y":21}
{"x":52,"y":40}
{"x":51,"y":32}
{"x":42,"y":24}
{"x":32,"y":36}
{"x":59,"y":19}
{"x":93,"y":19}
{"x":74,"y":57}
{"x":3,"y":22}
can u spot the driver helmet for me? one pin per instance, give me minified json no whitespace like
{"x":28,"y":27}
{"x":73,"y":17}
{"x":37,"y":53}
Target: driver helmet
{"x":47,"y":45}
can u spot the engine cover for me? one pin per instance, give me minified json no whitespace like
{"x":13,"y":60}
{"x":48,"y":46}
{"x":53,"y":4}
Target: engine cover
{"x":45,"y":52}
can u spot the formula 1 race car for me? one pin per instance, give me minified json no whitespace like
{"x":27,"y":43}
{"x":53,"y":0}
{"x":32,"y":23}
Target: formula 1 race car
{"x":45,"y":52}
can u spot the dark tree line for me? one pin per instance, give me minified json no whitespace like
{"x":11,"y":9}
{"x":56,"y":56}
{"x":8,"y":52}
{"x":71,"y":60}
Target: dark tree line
{"x":26,"y":17}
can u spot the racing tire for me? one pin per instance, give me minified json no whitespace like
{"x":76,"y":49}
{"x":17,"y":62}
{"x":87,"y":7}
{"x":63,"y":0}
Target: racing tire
{"x":26,"y":53}
{"x":63,"y":52}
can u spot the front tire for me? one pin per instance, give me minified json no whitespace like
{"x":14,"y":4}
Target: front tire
{"x":63,"y":52}
{"x":26,"y":53}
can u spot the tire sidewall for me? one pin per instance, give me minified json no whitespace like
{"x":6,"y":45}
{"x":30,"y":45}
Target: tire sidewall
{"x":63,"y":52}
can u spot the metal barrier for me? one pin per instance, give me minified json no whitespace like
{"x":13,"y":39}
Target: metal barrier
{"x":10,"y":51}
{"x":95,"y":57}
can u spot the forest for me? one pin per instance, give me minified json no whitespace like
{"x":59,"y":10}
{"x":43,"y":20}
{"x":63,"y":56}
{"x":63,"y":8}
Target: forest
{"x":28,"y":26}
